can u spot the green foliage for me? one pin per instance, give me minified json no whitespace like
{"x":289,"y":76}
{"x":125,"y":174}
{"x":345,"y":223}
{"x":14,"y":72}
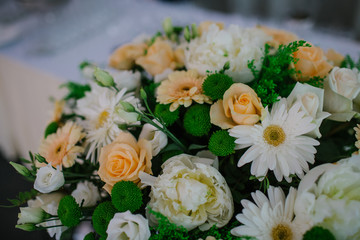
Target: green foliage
{"x":215,"y":85}
{"x":348,"y":62}
{"x":22,"y":198}
{"x":275,"y":74}
{"x":51,"y":128}
{"x":69,"y":211}
{"x":318,"y":233}
{"x":125,"y":195}
{"x":316,"y":81}
{"x":89,"y":236}
{"x":221,"y":143}
{"x":218,"y":233}
{"x":76,"y":90}
{"x":197,"y":120}
{"x":102,"y":215}
{"x":162,"y":111}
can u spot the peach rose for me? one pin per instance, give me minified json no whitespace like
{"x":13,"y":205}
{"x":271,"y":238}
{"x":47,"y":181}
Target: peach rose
{"x":279,"y":36}
{"x":123,"y":58}
{"x":240,"y":106}
{"x":334,"y":57}
{"x":204,"y":26}
{"x":159,"y":57}
{"x":311,"y":62}
{"x":123,"y":159}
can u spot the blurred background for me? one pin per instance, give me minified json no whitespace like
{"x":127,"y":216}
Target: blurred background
{"x":42,"y":43}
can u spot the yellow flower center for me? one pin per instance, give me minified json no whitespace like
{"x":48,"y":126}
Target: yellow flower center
{"x":102,"y":119}
{"x":282,"y":232}
{"x":274,"y":135}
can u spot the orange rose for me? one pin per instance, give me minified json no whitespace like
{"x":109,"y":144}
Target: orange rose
{"x":240,"y":106}
{"x":311,"y":62}
{"x":334,"y":57}
{"x":123,"y":58}
{"x":124,"y":159}
{"x":204,"y":26}
{"x":279,"y":36}
{"x":159,"y":57}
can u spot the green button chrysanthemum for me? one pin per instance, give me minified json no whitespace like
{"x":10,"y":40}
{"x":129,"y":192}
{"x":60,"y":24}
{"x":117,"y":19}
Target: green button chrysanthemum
{"x":163,"y":111}
{"x":125,"y":195}
{"x":318,"y":233}
{"x":221,"y":143}
{"x":102,"y":215}
{"x":69,"y":211}
{"x":89,"y":236}
{"x":197,"y":120}
{"x":215,"y":85}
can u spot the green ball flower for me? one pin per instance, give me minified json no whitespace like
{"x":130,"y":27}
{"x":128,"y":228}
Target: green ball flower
{"x":215,"y":85}
{"x":163,"y":111}
{"x":89,"y":236}
{"x":197,"y":120}
{"x":102,"y":215}
{"x":125,"y":195}
{"x":69,"y":211}
{"x":318,"y":233}
{"x":221,"y":143}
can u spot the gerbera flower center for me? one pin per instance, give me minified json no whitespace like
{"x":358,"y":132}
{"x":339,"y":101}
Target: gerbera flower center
{"x":274,"y":135}
{"x":282,"y":232}
{"x":103,"y":116}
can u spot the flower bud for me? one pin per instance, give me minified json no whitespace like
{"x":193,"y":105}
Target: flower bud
{"x":143,"y":94}
{"x":167,"y":26}
{"x":187,"y":35}
{"x":103,"y":78}
{"x":31,"y":215}
{"x":26,"y":227}
{"x":127,"y":107}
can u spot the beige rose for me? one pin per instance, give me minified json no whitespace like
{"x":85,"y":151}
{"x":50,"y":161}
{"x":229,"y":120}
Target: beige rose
{"x":123,"y":58}
{"x":204,"y":26}
{"x":123,"y":159}
{"x":159,"y":57}
{"x":334,"y":57}
{"x":311,"y":62}
{"x":279,"y":36}
{"x":240,"y":106}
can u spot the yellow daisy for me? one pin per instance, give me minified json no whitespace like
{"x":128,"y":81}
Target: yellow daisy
{"x":181,"y":88}
{"x":60,"y":148}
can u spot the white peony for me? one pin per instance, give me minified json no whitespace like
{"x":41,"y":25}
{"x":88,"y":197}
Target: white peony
{"x":342,"y":88}
{"x":190,"y":192}
{"x":329,"y":196}
{"x":126,"y":225}
{"x":87,"y":192}
{"x":311,"y":100}
{"x":215,"y":47}
{"x":157,"y":138}
{"x":30,"y":215}
{"x":48,"y":179}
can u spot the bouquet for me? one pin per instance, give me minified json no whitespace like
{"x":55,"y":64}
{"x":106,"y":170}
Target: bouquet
{"x":203,"y":132}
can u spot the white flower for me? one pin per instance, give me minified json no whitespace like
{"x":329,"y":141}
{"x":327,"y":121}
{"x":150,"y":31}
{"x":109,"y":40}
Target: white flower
{"x":215,"y":47}
{"x":190,"y":192}
{"x":342,"y":88}
{"x":311,"y":100}
{"x":103,"y":114}
{"x":157,"y":138}
{"x":87,"y":192}
{"x":30,"y":215}
{"x":329,"y":196}
{"x":48,"y":179}
{"x":270,"y":218}
{"x":162,"y":76}
{"x":126,"y":225}
{"x":278,"y":143}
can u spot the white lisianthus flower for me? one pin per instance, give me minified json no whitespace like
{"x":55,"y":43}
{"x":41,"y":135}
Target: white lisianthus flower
{"x":87,"y":192}
{"x":311,"y":100}
{"x":235,"y":45}
{"x":126,"y":225}
{"x":342,"y":88}
{"x":49,"y":179}
{"x":157,"y":138}
{"x":329,"y":196}
{"x":190,"y":192}
{"x":30,"y":215}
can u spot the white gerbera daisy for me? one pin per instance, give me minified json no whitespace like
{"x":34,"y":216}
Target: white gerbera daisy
{"x":278,"y":143}
{"x":103,"y":115}
{"x":270,"y":218}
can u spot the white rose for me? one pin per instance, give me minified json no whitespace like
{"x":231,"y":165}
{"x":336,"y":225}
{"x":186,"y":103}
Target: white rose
{"x":30,"y":215}
{"x":342,"y":88}
{"x":48,"y":179}
{"x":125,"y":79}
{"x":235,"y":45}
{"x":311,"y":99}
{"x":157,"y":138}
{"x":87,"y":192}
{"x":190,"y":192}
{"x":329,"y":196}
{"x":126,"y":225}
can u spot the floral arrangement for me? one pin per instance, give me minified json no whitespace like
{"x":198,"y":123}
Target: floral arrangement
{"x":203,"y":132}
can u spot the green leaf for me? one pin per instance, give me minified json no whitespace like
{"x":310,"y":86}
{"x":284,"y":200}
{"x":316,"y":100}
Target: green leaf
{"x":76,"y":90}
{"x":24,"y":160}
{"x":197,"y":146}
{"x":40,"y":158}
{"x":51,"y":128}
